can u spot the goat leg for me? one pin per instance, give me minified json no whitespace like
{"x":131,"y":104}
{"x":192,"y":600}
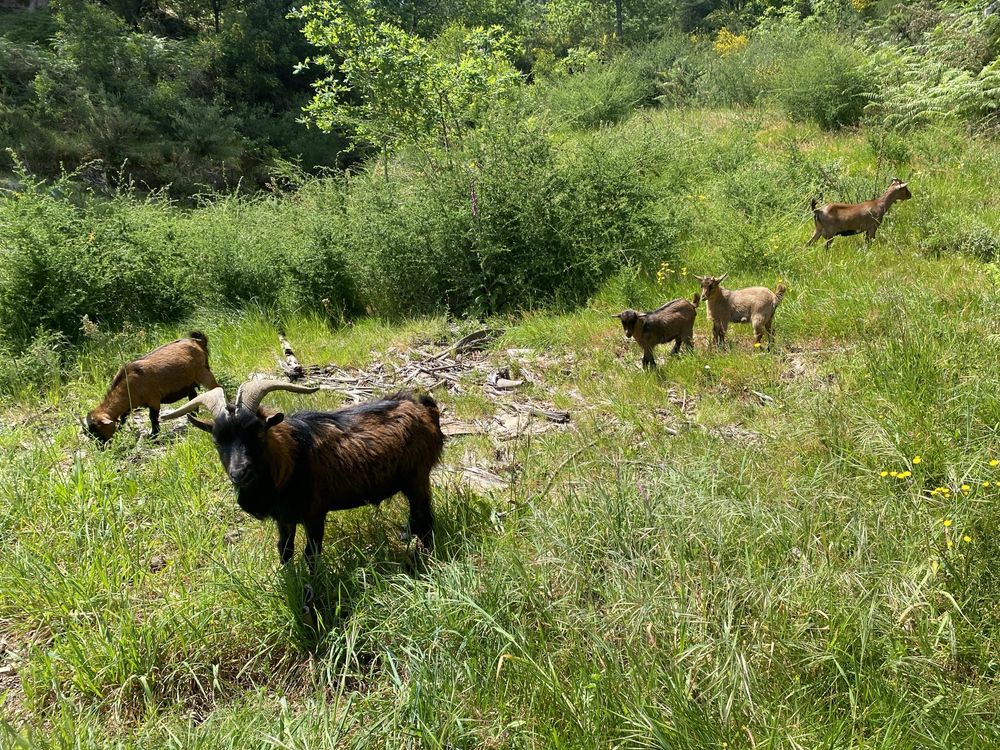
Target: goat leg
{"x":286,"y":541}
{"x":421,"y":518}
{"x":154,"y":419}
{"x":315,"y":529}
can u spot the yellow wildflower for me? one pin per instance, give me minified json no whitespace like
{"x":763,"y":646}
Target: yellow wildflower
{"x":726,"y":42}
{"x":986,"y":484}
{"x":947,"y":522}
{"x":917,"y":459}
{"x":883,"y":473}
{"x":756,"y":345}
{"x":904,"y":474}
{"x":965,"y":488}
{"x":966,"y":538}
{"x":950,"y":544}
{"x":994,"y":462}
{"x":893,"y":473}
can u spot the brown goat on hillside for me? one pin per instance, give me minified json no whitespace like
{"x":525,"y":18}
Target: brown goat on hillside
{"x":754,"y":305}
{"x":673,"y":321}
{"x":853,"y":218}
{"x":167,"y":374}
{"x":297,"y":468}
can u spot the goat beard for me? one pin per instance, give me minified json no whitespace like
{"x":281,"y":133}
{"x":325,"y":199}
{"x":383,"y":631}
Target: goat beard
{"x":255,"y":501}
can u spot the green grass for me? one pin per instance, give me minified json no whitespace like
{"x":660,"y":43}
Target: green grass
{"x":743,"y":579}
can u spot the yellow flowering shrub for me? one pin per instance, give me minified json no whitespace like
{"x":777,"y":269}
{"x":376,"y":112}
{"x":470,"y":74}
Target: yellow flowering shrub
{"x":726,"y":42}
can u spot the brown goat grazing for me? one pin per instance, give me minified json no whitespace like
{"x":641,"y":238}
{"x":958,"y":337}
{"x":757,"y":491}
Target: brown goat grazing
{"x":853,"y":218}
{"x":754,"y":305}
{"x":167,"y":374}
{"x":297,"y":468}
{"x":673,"y":321}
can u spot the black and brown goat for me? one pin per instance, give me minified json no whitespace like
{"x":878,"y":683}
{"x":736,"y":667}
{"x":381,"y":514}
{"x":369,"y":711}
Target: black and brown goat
{"x":673,"y":321}
{"x":296,"y":468}
{"x":167,"y":374}
{"x":845,"y":219}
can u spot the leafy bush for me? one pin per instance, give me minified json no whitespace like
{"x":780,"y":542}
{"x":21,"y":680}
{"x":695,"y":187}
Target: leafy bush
{"x":808,"y":69}
{"x":61,"y":262}
{"x":600,"y":94}
{"x":827,"y":83}
{"x":511,"y":227}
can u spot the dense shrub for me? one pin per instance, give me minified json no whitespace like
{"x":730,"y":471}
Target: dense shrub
{"x":513,"y":224}
{"x":510,"y":223}
{"x":597,"y":95}
{"x":802,"y":65}
{"x":826,"y":83}
{"x":61,"y":262}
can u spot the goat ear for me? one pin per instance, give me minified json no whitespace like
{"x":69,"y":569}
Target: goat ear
{"x":201,"y":424}
{"x":274,"y":419}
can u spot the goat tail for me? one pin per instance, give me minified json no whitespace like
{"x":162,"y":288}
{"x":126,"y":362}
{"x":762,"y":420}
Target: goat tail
{"x":779,"y":294}
{"x":202,"y":340}
{"x":813,"y":204}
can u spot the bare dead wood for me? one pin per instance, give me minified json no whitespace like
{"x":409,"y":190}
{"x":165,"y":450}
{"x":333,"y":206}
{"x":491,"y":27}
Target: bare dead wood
{"x":553,"y":415}
{"x":475,"y":341}
{"x":291,"y":367}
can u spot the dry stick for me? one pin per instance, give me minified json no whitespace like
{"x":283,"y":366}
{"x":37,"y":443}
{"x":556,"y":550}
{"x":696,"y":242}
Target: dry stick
{"x":292,"y":369}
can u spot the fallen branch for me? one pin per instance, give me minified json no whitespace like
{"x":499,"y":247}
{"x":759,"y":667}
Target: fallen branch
{"x":291,"y":367}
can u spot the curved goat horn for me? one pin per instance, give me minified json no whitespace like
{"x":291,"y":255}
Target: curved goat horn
{"x":252,"y":392}
{"x":213,"y":400}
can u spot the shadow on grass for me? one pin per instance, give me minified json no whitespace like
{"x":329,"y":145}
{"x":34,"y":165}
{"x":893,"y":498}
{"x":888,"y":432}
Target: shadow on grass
{"x":324,"y":602}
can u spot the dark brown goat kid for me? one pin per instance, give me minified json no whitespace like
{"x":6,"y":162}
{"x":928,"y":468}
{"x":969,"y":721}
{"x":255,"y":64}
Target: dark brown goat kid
{"x":846,"y":219}
{"x":297,"y":468}
{"x":167,"y":374}
{"x":673,"y":321}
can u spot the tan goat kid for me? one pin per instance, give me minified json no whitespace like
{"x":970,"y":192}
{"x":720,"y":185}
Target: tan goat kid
{"x":754,"y":305}
{"x":853,"y":218}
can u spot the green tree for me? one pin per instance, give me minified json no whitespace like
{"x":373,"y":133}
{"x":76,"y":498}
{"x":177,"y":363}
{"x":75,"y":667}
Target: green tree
{"x":386,"y":86}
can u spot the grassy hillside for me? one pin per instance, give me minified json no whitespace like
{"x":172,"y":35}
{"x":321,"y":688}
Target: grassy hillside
{"x":785,"y":549}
